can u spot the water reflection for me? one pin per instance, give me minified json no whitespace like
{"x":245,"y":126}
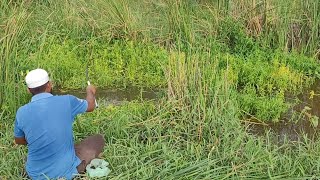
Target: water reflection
{"x":297,"y":122}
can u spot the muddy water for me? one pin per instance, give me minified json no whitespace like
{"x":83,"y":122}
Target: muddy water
{"x":116,"y":96}
{"x":286,"y":128}
{"x":293,"y":131}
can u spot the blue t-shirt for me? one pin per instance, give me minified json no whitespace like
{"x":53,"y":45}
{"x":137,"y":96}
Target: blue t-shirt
{"x":46,"y":124}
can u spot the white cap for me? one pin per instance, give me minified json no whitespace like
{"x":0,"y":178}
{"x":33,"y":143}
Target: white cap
{"x":36,"y":78}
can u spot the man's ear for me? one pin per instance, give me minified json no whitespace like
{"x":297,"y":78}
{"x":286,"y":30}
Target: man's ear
{"x":49,"y":87}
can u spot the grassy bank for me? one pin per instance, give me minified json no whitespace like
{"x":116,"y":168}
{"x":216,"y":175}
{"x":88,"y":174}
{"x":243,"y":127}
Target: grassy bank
{"x":220,"y":62}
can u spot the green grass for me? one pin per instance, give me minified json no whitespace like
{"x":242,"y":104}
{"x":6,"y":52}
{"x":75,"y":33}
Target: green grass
{"x":219,"y":61}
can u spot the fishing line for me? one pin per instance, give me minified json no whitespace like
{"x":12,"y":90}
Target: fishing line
{"x":87,"y":74}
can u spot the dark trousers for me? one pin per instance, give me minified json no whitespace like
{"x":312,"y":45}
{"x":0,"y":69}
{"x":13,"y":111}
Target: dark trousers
{"x":88,"y":149}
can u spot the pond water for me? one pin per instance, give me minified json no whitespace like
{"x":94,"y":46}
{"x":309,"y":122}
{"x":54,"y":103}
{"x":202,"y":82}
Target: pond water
{"x":304,"y":111}
{"x":305,"y":108}
{"x":116,"y":96}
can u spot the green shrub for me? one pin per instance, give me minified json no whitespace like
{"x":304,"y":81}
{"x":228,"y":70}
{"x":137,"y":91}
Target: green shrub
{"x":117,"y":64}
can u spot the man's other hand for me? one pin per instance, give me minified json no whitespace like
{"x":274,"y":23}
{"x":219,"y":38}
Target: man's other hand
{"x":20,"y":140}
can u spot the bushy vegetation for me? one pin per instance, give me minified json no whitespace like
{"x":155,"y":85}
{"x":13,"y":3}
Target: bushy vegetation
{"x":117,"y":64}
{"x":220,"y":62}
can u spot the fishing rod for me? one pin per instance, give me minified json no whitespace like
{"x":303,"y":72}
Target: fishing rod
{"x":87,"y":77}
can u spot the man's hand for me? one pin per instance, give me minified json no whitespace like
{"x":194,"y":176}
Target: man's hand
{"x":20,"y":141}
{"x":91,"y":89}
{"x":91,"y":92}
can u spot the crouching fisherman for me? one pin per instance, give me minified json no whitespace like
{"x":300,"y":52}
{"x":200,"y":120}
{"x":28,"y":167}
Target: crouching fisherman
{"x":45,"y":126}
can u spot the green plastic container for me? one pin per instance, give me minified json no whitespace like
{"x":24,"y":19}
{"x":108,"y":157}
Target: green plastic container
{"x":98,"y":168}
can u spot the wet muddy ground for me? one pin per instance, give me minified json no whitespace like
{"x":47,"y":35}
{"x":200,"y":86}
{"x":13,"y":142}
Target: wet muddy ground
{"x":297,"y":122}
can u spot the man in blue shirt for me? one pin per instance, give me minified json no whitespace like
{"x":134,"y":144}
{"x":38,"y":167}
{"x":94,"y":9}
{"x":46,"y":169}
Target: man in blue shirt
{"x":45,"y":126}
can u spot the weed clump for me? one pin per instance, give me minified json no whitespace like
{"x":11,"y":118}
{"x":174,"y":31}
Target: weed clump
{"x":118,"y":64}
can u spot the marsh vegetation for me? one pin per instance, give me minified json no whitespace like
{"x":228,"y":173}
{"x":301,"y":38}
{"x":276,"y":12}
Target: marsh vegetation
{"x":221,"y":67}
